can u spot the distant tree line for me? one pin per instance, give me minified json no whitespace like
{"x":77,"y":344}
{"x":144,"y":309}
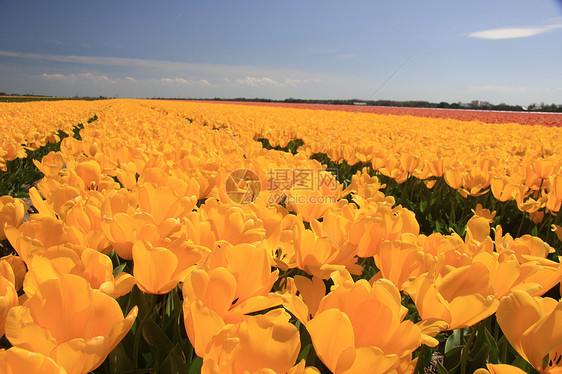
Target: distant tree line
{"x":474,"y":104}
{"x":10,"y":98}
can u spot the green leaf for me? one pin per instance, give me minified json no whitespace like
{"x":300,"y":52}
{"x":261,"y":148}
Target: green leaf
{"x":119,"y":269}
{"x":535,"y":231}
{"x":441,"y":369}
{"x":523,"y":365}
{"x":119,"y":362}
{"x":195,"y":366}
{"x":423,"y":205}
{"x":174,"y":362}
{"x":154,"y":336}
{"x":503,"y":346}
{"x":479,"y":359}
{"x":304,"y":353}
{"x":452,"y":358}
{"x":454,"y":340}
{"x":493,"y":356}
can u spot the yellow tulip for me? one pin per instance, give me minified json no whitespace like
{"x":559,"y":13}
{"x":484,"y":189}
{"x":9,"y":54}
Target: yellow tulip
{"x":12,"y":212}
{"x":90,"y":264}
{"x":8,"y":299}
{"x":555,"y":193}
{"x":360,"y":327}
{"x":17,"y":267}
{"x":238,"y":285}
{"x":232,"y":224}
{"x":50,"y":164}
{"x":301,"y":368}
{"x":461,"y":298}
{"x":17,"y":360}
{"x":69,"y":322}
{"x":500,"y":369}
{"x":400,"y":261}
{"x":162,"y":203}
{"x":530,"y":324}
{"x":36,"y":235}
{"x":321,"y":255}
{"x":157,"y":270}
{"x":260,"y":344}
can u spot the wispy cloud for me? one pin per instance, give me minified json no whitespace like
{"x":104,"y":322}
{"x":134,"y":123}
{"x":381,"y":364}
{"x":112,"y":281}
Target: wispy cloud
{"x":515,"y":32}
{"x":265,"y":81}
{"x":244,"y":74}
{"x":74,"y":77}
{"x":495,"y":88}
{"x":187,"y":82}
{"x":257,"y":82}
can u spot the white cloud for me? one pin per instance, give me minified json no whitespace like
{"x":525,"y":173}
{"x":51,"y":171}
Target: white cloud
{"x":187,"y":82}
{"x":265,"y":81}
{"x":292,"y":82}
{"x":53,"y":76}
{"x":131,"y":79}
{"x":258,"y":82}
{"x":493,"y":88}
{"x":84,"y":76}
{"x":511,"y":33}
{"x":174,"y":67}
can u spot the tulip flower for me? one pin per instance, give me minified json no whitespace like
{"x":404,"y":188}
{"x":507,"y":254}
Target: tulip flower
{"x":475,"y":182}
{"x":359,"y":326}
{"x":279,"y":236}
{"x":320,"y":256}
{"x":530,"y":325}
{"x":400,"y":261}
{"x":254,"y":345}
{"x":8,"y":299}
{"x":69,"y":322}
{"x":461,"y":298}
{"x":17,"y":267}
{"x":225,"y":294}
{"x":36,"y":235}
{"x":500,"y":369}
{"x":90,"y":264}
{"x":555,"y":193}
{"x":17,"y":360}
{"x":158,"y":270}
{"x":12,"y":212}
{"x":50,"y":164}
{"x":301,"y":368}
{"x":162,"y":203}
{"x":232,"y":224}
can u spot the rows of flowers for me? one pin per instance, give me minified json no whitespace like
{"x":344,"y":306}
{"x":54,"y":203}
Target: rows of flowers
{"x":28,"y":126}
{"x":148,"y":249}
{"x":512,"y":161}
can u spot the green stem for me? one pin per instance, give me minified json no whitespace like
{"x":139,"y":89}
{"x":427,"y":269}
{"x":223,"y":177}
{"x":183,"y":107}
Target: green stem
{"x":138,"y":332}
{"x":419,"y":363}
{"x":520,"y":227}
{"x":466,"y":350}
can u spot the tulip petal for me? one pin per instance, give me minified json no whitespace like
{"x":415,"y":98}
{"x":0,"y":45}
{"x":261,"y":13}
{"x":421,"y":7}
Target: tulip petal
{"x":543,"y":337}
{"x":331,"y":332}
{"x":153,"y":267}
{"x":516,"y":313}
{"x":201,"y":324}
{"x":18,"y":360}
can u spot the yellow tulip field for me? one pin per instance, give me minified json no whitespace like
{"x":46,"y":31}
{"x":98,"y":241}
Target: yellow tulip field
{"x":184,"y":237}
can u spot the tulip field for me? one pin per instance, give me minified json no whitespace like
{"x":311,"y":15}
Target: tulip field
{"x":151,"y":236}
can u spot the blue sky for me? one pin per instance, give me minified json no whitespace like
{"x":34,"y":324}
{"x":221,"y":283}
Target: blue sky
{"x":499,"y":51}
